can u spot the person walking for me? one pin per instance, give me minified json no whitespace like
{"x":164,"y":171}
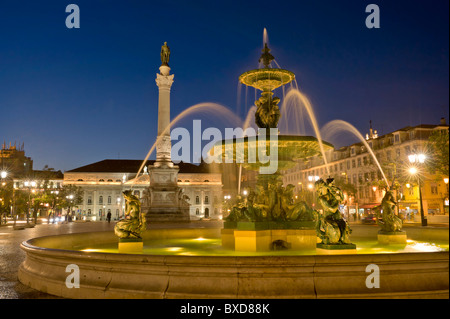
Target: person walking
{"x":108,"y":217}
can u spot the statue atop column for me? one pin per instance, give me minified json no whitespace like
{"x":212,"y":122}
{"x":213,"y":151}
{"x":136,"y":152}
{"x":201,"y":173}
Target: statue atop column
{"x":165,"y":54}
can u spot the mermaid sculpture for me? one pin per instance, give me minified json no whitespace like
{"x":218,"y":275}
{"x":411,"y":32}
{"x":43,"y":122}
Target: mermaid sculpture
{"x":331,"y":227}
{"x":132,"y":226}
{"x":388,"y":222}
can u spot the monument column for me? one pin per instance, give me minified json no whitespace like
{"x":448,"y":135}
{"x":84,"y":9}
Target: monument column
{"x":164,"y":199}
{"x":164,"y":81}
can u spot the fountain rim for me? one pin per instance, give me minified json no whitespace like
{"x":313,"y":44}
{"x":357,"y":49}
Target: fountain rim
{"x":28,"y":246}
{"x":280,"y":137}
{"x":119,"y":275}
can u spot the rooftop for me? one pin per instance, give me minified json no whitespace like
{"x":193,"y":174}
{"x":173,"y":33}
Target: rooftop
{"x":132,"y":166}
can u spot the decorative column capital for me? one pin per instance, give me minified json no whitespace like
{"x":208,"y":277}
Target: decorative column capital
{"x":164,"y":81}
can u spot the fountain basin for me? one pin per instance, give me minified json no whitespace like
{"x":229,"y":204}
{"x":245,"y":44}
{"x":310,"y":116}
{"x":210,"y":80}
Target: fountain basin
{"x":112,"y":275}
{"x":266,"y":79}
{"x":290,"y":148}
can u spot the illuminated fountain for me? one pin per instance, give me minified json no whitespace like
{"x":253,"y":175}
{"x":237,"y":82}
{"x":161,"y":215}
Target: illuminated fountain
{"x":269,"y":218}
{"x":195,"y":263}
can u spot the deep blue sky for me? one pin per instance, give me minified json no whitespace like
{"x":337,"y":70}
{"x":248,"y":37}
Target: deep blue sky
{"x":76,"y":96}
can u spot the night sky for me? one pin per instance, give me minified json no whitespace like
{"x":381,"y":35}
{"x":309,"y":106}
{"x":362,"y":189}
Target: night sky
{"x":77,"y":96}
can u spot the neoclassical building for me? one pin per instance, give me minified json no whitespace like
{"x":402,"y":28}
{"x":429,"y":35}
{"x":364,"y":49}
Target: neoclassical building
{"x":356,"y":166}
{"x":103,"y":183}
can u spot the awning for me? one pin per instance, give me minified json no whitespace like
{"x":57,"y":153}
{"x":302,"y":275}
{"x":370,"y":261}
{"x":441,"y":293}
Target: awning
{"x":405,"y":205}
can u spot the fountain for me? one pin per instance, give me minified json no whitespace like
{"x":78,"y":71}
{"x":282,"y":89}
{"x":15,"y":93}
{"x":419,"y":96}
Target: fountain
{"x":268,"y":217}
{"x":199,"y":263}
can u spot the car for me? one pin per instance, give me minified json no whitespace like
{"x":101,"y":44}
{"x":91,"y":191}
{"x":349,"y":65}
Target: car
{"x":369,"y":219}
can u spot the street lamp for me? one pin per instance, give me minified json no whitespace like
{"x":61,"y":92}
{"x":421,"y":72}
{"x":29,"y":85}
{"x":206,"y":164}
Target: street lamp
{"x":419,"y":159}
{"x":29,"y":185}
{"x":446,"y":200}
{"x":312,"y":179}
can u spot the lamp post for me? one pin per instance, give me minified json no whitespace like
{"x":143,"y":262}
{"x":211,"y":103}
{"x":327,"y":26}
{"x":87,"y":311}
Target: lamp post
{"x":29,"y":185}
{"x":69,"y":212}
{"x":419,"y":159}
{"x":446,"y":199}
{"x":3,"y":175}
{"x":312,"y":179}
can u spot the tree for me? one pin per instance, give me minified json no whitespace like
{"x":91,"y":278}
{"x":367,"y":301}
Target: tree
{"x":70,"y":196}
{"x":437,"y":150}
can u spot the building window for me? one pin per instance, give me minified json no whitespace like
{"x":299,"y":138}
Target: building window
{"x":206,"y":200}
{"x":89,"y":200}
{"x":206,"y":212}
{"x":109,"y":199}
{"x":89,"y":212}
{"x":348,"y":164}
{"x":359,"y":162}
{"x":353,"y":163}
{"x":197,"y":211}
{"x":407,"y":150}
{"x":397,"y":138}
{"x":197,"y":200}
{"x":100,"y":200}
{"x":434,"y":189}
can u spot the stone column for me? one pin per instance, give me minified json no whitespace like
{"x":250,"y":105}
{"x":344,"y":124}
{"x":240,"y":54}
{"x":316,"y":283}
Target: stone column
{"x":164,"y":82}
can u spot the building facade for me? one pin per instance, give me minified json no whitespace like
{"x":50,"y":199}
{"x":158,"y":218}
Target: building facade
{"x":103,"y":183}
{"x":358,"y":173}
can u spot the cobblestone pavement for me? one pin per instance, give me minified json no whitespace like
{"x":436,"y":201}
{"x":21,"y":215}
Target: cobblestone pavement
{"x":11,"y":256}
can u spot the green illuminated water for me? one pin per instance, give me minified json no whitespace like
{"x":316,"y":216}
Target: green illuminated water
{"x":213,"y":247}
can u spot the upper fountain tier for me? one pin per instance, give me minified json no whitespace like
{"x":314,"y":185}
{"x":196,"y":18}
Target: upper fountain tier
{"x":266,"y":79}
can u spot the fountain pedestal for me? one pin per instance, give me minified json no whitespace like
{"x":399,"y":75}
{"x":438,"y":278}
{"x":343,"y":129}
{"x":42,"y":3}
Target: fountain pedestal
{"x":165,"y":198}
{"x":267,"y":236}
{"x":335,"y":249}
{"x":130,"y":245}
{"x":397,"y":237}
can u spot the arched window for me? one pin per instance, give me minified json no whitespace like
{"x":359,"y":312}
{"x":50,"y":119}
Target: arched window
{"x":109,"y":199}
{"x":197,"y":211}
{"x":206,"y":200}
{"x":197,"y":199}
{"x":100,"y":200}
